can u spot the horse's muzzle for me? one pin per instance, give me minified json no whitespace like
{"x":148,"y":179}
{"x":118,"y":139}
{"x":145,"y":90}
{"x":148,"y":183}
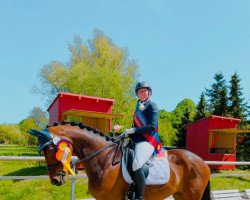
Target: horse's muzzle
{"x":58,"y":180}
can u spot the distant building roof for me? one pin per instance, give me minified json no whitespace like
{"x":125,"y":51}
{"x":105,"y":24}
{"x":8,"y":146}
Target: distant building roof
{"x":61,"y":94}
{"x":214,"y":117}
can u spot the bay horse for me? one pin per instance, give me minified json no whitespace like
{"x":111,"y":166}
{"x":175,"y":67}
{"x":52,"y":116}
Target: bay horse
{"x":100,"y":156}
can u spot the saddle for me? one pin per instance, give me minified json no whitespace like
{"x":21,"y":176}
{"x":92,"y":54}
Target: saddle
{"x":129,"y":156}
{"x":156,"y":171}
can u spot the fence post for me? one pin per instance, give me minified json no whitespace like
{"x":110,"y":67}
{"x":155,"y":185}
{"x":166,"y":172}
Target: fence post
{"x":72,"y":193}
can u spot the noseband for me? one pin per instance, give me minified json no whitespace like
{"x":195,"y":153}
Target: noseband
{"x":50,"y":167}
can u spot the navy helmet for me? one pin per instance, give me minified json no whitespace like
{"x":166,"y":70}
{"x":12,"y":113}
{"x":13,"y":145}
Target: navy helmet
{"x":143,"y":84}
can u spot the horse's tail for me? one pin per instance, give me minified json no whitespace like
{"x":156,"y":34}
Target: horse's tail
{"x":206,"y":193}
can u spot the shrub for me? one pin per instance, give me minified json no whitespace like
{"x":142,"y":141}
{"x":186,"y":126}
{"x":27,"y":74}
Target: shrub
{"x":11,"y":134}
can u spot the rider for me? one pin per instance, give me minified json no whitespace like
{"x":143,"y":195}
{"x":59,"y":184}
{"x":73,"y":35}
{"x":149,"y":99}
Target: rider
{"x":144,"y":133}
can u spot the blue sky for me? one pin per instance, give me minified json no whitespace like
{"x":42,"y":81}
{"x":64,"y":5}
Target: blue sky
{"x":179,"y":45}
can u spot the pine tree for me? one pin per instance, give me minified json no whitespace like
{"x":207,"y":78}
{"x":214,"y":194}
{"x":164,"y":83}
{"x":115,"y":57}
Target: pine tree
{"x":218,"y":100}
{"x":222,"y":109}
{"x":243,"y":148}
{"x":237,"y":107}
{"x":201,"y":108}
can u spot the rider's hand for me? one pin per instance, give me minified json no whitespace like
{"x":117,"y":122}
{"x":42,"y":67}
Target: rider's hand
{"x":129,"y":131}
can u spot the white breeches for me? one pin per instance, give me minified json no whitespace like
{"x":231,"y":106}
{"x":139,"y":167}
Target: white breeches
{"x":143,"y":151}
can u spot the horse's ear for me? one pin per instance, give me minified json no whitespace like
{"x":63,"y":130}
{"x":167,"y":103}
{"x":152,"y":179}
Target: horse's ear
{"x":40,"y":133}
{"x":34,"y":132}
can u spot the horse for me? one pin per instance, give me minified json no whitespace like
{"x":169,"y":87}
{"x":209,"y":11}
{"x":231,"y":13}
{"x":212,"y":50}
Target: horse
{"x":100,"y":156}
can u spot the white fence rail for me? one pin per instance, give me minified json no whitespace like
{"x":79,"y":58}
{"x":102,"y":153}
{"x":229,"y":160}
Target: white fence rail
{"x":226,"y":163}
{"x":74,"y":160}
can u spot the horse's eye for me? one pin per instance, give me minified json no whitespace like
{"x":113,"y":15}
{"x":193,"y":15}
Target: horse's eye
{"x":49,"y":150}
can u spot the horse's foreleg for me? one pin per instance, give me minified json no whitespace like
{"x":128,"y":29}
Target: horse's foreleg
{"x":179,"y":196}
{"x":192,"y":191}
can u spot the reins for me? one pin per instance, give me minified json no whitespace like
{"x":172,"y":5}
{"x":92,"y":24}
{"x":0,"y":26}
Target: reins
{"x":118,"y":141}
{"x":50,"y":167}
{"x":96,"y":153}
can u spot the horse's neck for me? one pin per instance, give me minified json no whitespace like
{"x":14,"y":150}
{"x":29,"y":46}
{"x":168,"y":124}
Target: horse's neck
{"x":87,"y":144}
{"x":104,"y":177}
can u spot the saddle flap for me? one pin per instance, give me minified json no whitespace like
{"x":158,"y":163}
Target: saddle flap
{"x":156,"y":171}
{"x":129,"y":156}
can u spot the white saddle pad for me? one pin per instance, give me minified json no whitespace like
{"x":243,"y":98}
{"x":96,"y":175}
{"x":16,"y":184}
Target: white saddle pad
{"x":159,"y":172}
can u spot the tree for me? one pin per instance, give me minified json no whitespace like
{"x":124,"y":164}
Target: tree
{"x":97,"y":68}
{"x":182,"y":115}
{"x":26,"y":125}
{"x":181,"y":134}
{"x":201,"y":108}
{"x":243,"y":145}
{"x":222,"y":108}
{"x":218,"y":100}
{"x":186,"y":105}
{"x":237,"y":107}
{"x":166,"y":131}
{"x":11,"y":134}
{"x":39,"y":117}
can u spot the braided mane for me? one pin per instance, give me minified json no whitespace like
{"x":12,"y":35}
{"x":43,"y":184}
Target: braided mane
{"x":84,"y":126}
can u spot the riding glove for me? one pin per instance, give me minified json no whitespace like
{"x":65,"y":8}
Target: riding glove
{"x":129,"y":131}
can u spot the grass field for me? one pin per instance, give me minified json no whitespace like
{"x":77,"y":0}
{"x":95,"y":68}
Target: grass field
{"x":11,"y":150}
{"x":42,"y":189}
{"x":38,"y":189}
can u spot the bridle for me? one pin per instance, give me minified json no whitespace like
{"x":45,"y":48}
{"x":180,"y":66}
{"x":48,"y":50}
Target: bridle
{"x":118,"y":141}
{"x":52,"y":167}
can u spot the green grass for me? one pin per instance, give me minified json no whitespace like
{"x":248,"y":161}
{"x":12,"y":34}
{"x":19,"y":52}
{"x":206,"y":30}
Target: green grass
{"x":224,"y":183}
{"x":11,"y":150}
{"x":35,"y":189}
{"x":38,"y":189}
{"x":22,"y":168}
{"x":42,"y":189}
{"x":227,"y":183}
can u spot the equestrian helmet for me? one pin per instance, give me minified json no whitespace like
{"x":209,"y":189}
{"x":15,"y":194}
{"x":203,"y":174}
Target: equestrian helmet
{"x":143,"y":84}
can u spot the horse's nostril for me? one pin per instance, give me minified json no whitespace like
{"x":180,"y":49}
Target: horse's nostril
{"x":56,"y":182}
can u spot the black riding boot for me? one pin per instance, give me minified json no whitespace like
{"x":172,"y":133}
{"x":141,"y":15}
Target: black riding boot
{"x":140,"y":183}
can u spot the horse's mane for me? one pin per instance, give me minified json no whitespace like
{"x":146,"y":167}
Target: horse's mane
{"x":84,"y":126}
